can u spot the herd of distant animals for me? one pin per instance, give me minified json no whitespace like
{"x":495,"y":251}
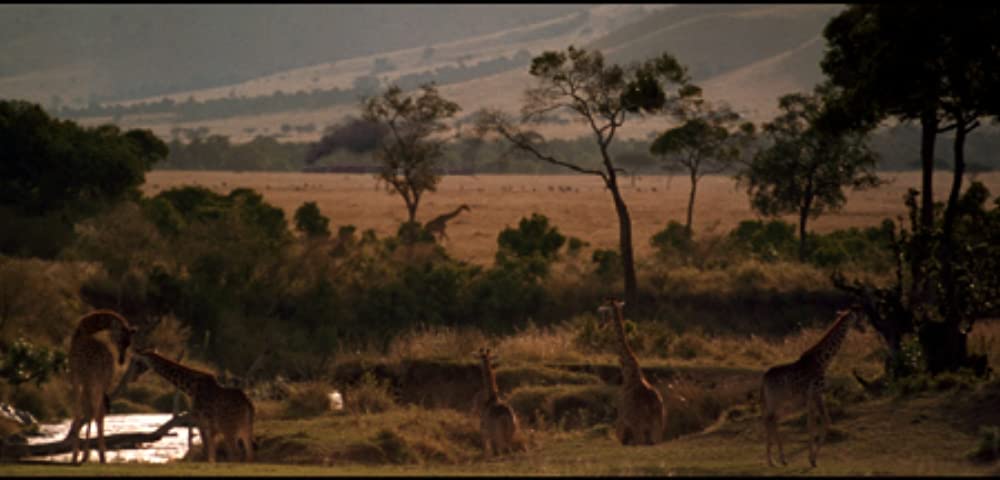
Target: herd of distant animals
{"x":218,"y":410}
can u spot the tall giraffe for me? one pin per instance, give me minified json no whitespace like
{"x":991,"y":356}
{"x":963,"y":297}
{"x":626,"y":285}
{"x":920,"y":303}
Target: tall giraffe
{"x":437,"y":225}
{"x":215,"y":409}
{"x":91,"y":366}
{"x":791,"y":385}
{"x":641,"y":415}
{"x":497,"y":421}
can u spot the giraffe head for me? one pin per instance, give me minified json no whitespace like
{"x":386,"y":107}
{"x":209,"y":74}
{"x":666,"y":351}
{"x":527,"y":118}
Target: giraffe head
{"x":611,"y":306}
{"x":123,"y":339}
{"x":485,"y":356}
{"x":857,"y":313}
{"x":464,"y":207}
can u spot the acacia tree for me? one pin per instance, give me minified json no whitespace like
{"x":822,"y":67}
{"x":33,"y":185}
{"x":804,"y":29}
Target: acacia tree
{"x":602,"y":97}
{"x":938,"y":64}
{"x":806,"y":168}
{"x":407,"y":154}
{"x":708,"y":142}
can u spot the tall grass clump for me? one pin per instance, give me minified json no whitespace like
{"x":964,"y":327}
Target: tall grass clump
{"x":369,"y":395}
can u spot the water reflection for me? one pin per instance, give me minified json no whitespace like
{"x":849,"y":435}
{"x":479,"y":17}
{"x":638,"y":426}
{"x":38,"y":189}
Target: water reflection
{"x":171,"y":446}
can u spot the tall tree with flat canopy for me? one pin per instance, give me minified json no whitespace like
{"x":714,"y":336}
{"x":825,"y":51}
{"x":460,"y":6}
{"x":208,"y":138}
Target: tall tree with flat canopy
{"x":806,"y":168}
{"x":415,"y":135}
{"x":602,"y":97}
{"x":709,"y":142}
{"x":940,"y":65}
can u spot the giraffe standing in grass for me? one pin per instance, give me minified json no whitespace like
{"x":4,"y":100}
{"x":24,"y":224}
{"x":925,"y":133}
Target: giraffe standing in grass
{"x":793,"y":385}
{"x":215,"y":409}
{"x":437,"y":225}
{"x":91,"y":367}
{"x":641,"y":414}
{"x":497,"y":420}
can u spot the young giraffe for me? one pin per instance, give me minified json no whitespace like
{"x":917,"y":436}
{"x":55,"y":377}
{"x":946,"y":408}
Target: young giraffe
{"x":792,"y":385}
{"x":215,"y":409}
{"x":91,"y":366}
{"x":497,"y":420}
{"x":436,"y":226}
{"x":641,"y":415}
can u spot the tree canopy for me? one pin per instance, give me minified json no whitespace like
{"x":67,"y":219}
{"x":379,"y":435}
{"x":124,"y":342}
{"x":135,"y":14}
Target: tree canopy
{"x":50,"y":165}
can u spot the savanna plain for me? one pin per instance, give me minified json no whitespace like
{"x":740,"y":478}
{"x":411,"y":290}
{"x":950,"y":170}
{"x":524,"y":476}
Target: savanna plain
{"x":409,"y":409}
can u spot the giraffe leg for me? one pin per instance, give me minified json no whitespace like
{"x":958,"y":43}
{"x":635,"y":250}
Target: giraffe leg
{"x":770,"y":431}
{"x":74,"y":431}
{"x":232,"y":449}
{"x":777,"y":438}
{"x":826,"y":421}
{"x":810,"y":427}
{"x":86,"y":443}
{"x":101,"y":446}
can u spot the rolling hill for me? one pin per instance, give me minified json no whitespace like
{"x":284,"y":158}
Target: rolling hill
{"x":745,"y":55}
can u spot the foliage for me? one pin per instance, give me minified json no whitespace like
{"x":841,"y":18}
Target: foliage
{"x":806,"y":168}
{"x":533,"y":243}
{"x":675,"y":239}
{"x":579,"y":83}
{"x":708,"y":142}
{"x":407,"y":154}
{"x":53,"y":172}
{"x":608,"y":263}
{"x":311,"y":222}
{"x":22,"y":361}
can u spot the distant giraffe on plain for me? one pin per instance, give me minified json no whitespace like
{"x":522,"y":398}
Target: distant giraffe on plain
{"x":793,"y":385}
{"x":641,"y":414}
{"x":91,"y":367}
{"x":215,"y":409}
{"x":497,"y":421}
{"x":437,"y":225}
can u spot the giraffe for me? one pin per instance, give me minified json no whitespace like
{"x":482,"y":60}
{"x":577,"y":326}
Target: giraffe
{"x":641,"y":415}
{"x":497,"y":421}
{"x":801,"y":382}
{"x":91,"y":366}
{"x":436,"y":226}
{"x":215,"y":409}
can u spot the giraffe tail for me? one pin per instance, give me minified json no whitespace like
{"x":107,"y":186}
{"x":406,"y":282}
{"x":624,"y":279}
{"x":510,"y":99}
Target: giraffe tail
{"x":107,"y":403}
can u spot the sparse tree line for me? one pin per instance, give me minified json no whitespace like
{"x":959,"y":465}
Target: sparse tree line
{"x":229,"y":266}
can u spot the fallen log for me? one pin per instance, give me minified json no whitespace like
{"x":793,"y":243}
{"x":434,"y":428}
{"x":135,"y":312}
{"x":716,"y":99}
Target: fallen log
{"x":16,"y":451}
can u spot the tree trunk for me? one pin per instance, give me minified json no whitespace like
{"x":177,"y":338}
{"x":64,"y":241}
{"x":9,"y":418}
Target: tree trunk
{"x":690,"y":212}
{"x":625,"y":241}
{"x":803,"y":219}
{"x":945,"y":346}
{"x":928,"y":135}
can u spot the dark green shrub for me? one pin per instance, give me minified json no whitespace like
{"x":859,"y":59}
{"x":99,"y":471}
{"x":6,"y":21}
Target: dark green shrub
{"x":767,"y":241}
{"x":672,"y":240}
{"x":609,"y":264}
{"x":311,"y":222}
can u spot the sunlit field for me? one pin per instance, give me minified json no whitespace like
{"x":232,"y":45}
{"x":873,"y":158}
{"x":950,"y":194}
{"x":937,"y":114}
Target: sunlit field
{"x":578,"y":205}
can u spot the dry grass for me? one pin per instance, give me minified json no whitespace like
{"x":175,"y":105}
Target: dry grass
{"x":585,"y":212}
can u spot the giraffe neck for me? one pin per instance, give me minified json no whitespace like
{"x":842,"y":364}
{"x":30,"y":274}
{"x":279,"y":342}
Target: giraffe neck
{"x":449,"y":216}
{"x":827,"y":347}
{"x":490,"y":381}
{"x":184,"y":378}
{"x":630,"y":364}
{"x":97,"y":321}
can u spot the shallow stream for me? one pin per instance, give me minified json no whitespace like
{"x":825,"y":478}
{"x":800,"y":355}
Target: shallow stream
{"x":171,"y":446}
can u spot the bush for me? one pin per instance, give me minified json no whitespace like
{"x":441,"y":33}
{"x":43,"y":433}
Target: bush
{"x":311,"y":222}
{"x":369,"y":395}
{"x":609,"y":264}
{"x":672,"y":240}
{"x":767,"y":241}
